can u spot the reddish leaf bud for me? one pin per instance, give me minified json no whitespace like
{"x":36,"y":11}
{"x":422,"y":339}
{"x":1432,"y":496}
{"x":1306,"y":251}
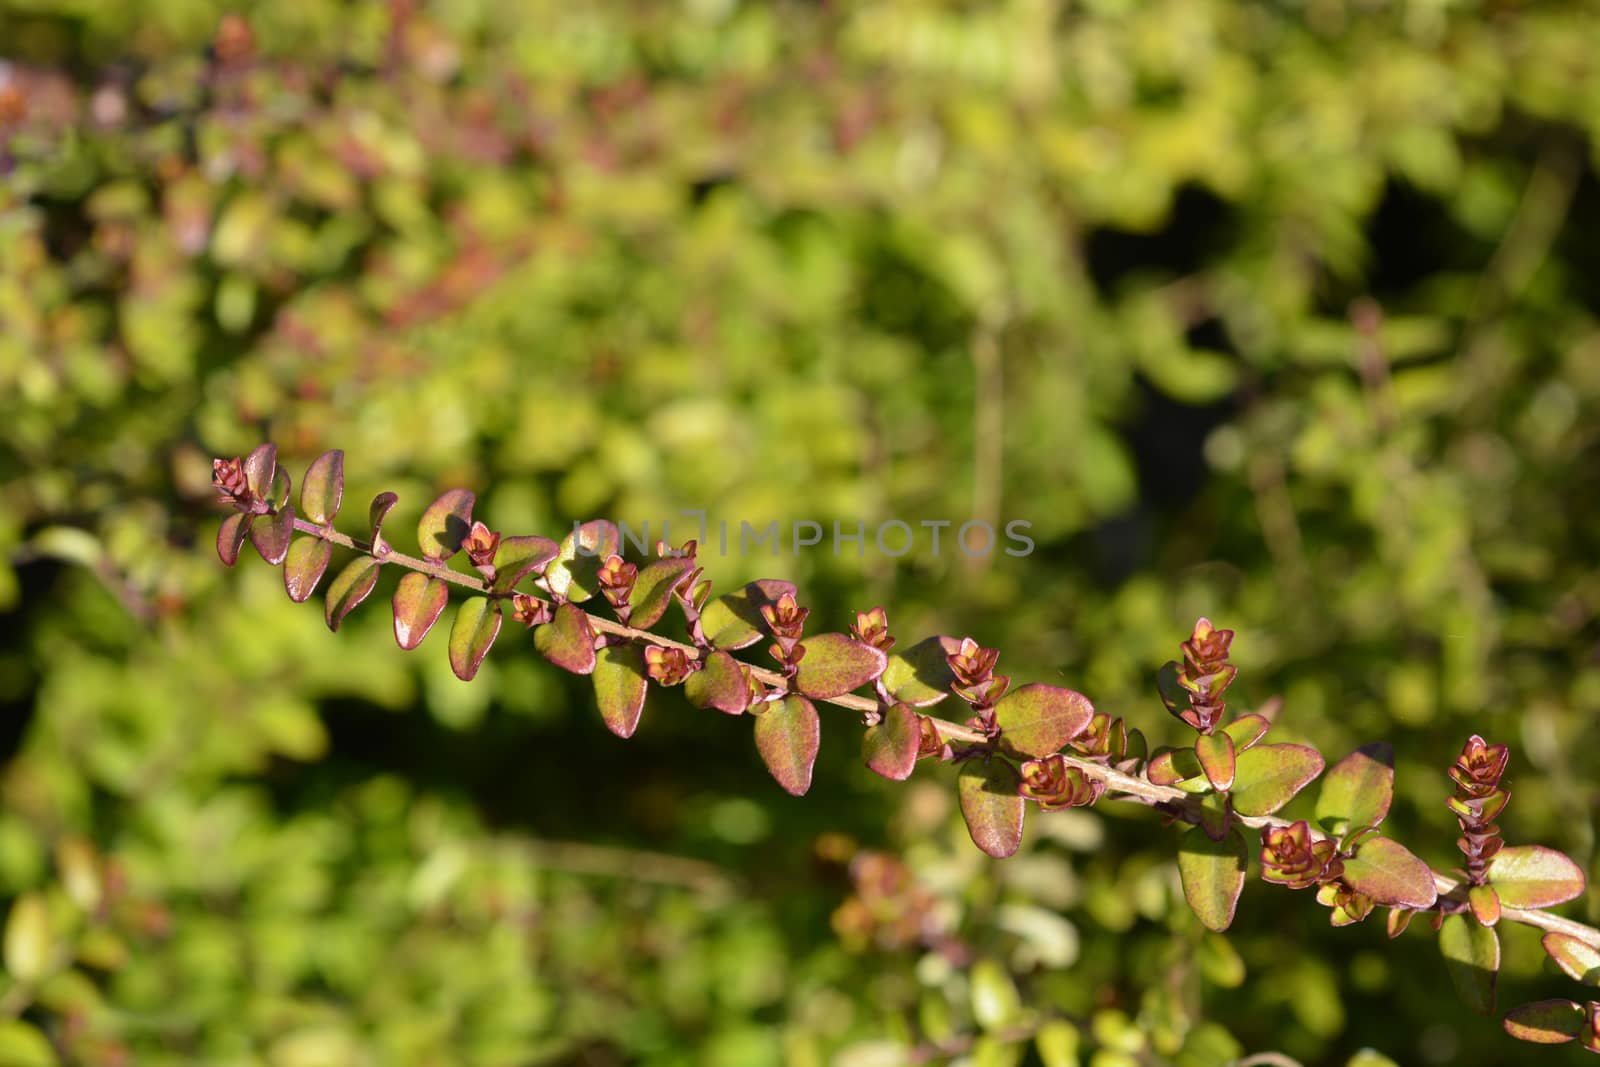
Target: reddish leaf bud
{"x":616,"y":580}
{"x":1479,"y":767}
{"x":228,"y":476}
{"x":1055,"y":785}
{"x":481,"y":545}
{"x":872,"y":628}
{"x":971,"y":664}
{"x":1348,"y":905}
{"x":786,"y":618}
{"x":931,"y":744}
{"x":531,"y":611}
{"x":1291,"y":858}
{"x":668,"y":666}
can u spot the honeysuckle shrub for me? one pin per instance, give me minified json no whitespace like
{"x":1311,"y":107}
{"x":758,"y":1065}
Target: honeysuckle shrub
{"x":1094,"y":268}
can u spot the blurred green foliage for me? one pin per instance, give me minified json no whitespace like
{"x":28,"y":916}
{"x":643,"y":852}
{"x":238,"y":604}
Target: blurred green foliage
{"x":1283,"y":313}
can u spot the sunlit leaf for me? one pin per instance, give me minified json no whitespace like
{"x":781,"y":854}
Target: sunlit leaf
{"x":1246,"y":730}
{"x":620,"y":685}
{"x":1546,"y":1022}
{"x":567,"y":640}
{"x":517,"y":557}
{"x":921,"y":675}
{"x":1213,"y":874}
{"x":445,"y":524}
{"x":304,"y":567}
{"x":418,"y":602}
{"x":834,"y":664}
{"x":1472,"y":957}
{"x":652,"y":589}
{"x":1216,"y":755}
{"x":472,"y":635}
{"x":1532,"y":876}
{"x":323,"y":489}
{"x":1386,"y":871}
{"x":574,"y":572}
{"x":259,"y":468}
{"x":1357,"y":790}
{"x":1268,"y":776}
{"x":1037,"y":720}
{"x":349,"y":588}
{"x":1485,"y":903}
{"x":272,"y":533}
{"x":734,"y":621}
{"x":788,"y":735}
{"x":719,"y":684}
{"x":890,"y":747}
{"x":991,"y":806}
{"x":382,"y":504}
{"x":1579,"y":959}
{"x":231,"y":535}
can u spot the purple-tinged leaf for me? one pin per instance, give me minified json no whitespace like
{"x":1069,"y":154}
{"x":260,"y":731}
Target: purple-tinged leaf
{"x":472,"y":635}
{"x":574,"y":573}
{"x":1485,"y":903}
{"x":734,"y":621}
{"x":1358,"y":790}
{"x":1216,"y":818}
{"x":259,"y":467}
{"x":1178,"y":767}
{"x":1213,"y":875}
{"x":834,"y":665}
{"x":381,"y":506}
{"x":323,"y":490}
{"x":1398,"y":920}
{"x":1472,"y":957}
{"x":1532,"y":876}
{"x":890,"y":748}
{"x":418,"y":602}
{"x":1037,"y":719}
{"x":349,"y":588}
{"x":231,"y":535}
{"x":567,"y":640}
{"x":1216,"y":755}
{"x":921,"y":675}
{"x":991,"y":805}
{"x":719,"y":684}
{"x":1268,"y":776}
{"x":304,"y":567}
{"x":445,"y":523}
{"x":620,"y":685}
{"x":272,"y":533}
{"x":1546,"y":1022}
{"x":281,"y":486}
{"x":1246,"y":730}
{"x":652,"y":589}
{"x":1388,"y":873}
{"x":788,"y":735}
{"x":517,"y":557}
{"x":1579,"y":959}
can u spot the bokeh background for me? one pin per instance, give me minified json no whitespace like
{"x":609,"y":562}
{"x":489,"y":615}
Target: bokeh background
{"x":1282,"y":313}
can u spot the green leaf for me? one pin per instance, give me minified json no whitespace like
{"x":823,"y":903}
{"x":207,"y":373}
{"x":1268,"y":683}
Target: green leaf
{"x":1246,"y":730}
{"x":230,"y":536}
{"x":734,"y":621}
{"x":1268,"y":776}
{"x":418,"y":602}
{"x":517,"y":557}
{"x":477,"y":625}
{"x":382,"y":504}
{"x":29,"y":942}
{"x":574,"y":572}
{"x":1532,"y":876}
{"x":1579,"y":959}
{"x":349,"y":588}
{"x":1215,"y":752}
{"x":996,"y":1003}
{"x":445,"y":524}
{"x":22,"y":1045}
{"x":323,"y":490}
{"x":921,"y":674}
{"x":1472,"y":956}
{"x":1485,"y":903}
{"x":719,"y":684}
{"x":1179,"y":767}
{"x":991,"y":805}
{"x":1173,"y":695}
{"x":567,"y":640}
{"x":1037,"y":720}
{"x":834,"y":664}
{"x":620,"y":685}
{"x":1358,"y":790}
{"x":1388,"y":873}
{"x":260,"y":469}
{"x":1546,"y":1022}
{"x":890,"y":747}
{"x":304,"y":567}
{"x":652,"y":590}
{"x":1213,"y":875}
{"x":1057,"y":1044}
{"x":272,"y":533}
{"x":788,"y":735}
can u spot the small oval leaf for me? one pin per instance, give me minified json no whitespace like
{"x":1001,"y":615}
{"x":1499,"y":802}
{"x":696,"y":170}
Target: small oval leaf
{"x":517,"y":557}
{"x":272,"y":533}
{"x":921,"y":675}
{"x":834,"y":664}
{"x":323,"y":489}
{"x":445,"y":523}
{"x":1246,"y":730}
{"x":1037,"y":720}
{"x":719,"y":684}
{"x":1485,"y":904}
{"x":1546,"y":1022}
{"x":652,"y":589}
{"x":1472,"y":956}
{"x":382,"y":504}
{"x":418,"y":602}
{"x":1386,"y":871}
{"x":991,"y":805}
{"x":734,"y":621}
{"x":567,"y":640}
{"x":1216,"y":755}
{"x":1358,"y":790}
{"x":890,"y":748}
{"x":1213,"y":875}
{"x":1532,"y":876}
{"x":620,"y":685}
{"x":1268,"y":776}
{"x":304,"y":567}
{"x":259,"y":468}
{"x":788,"y":735}
{"x":1579,"y":959}
{"x":231,"y":535}
{"x":573,"y":574}
{"x":349,"y":588}
{"x":472,"y":635}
